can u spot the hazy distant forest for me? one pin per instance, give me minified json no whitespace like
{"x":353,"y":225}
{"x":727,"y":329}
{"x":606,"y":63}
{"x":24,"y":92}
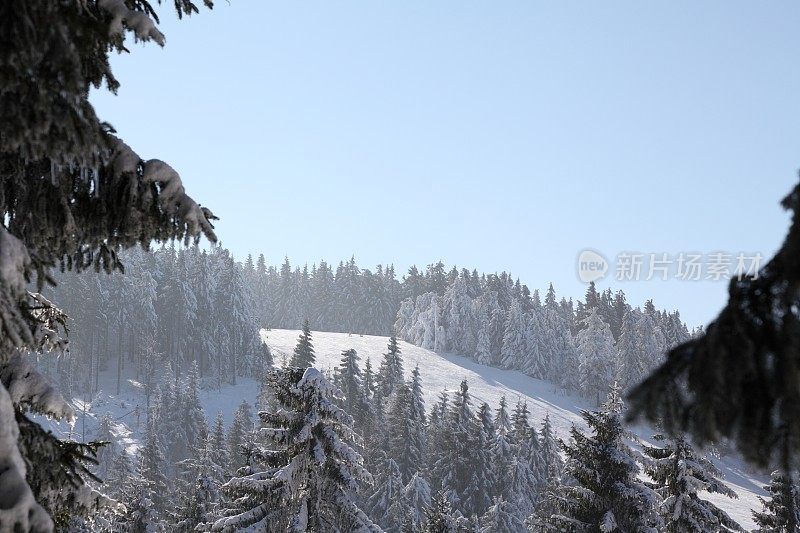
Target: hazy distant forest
{"x":184,"y":306}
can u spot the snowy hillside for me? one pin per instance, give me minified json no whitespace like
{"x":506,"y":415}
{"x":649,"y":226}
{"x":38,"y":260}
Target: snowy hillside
{"x":445,"y":371}
{"x":438,"y":371}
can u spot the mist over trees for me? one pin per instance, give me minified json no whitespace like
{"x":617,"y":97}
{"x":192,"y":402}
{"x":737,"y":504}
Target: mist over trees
{"x":176,"y":308}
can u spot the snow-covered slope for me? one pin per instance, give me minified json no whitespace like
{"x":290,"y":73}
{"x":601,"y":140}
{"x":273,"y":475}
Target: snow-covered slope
{"x":487,"y":384}
{"x":438,"y":371}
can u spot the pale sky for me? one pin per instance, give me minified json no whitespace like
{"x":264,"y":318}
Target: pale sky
{"x":492,"y":135}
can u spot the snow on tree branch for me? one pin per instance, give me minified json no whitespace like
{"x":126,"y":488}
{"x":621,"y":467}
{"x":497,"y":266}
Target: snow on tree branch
{"x":142,"y":25}
{"x":19,"y":510}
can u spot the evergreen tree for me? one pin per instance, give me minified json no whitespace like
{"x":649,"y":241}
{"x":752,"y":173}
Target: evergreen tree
{"x":607,"y":496}
{"x":679,"y":474}
{"x":240,"y":437}
{"x":502,"y":517}
{"x":631,"y":362}
{"x":514,"y":338}
{"x":108,"y":453}
{"x":390,"y":373}
{"x":303,"y":356}
{"x":142,"y":516}
{"x":418,"y":440}
{"x":122,"y":475}
{"x":217,"y":450}
{"x":386,"y":504}
{"x":550,"y":299}
{"x":402,"y":435}
{"x":348,"y":378}
{"x":199,"y":495}
{"x":551,"y":462}
{"x":782,"y":510}
{"x":502,"y":450}
{"x":596,"y":348}
{"x":520,"y":426}
{"x":439,"y":517}
{"x":74,"y":196}
{"x":417,"y":495}
{"x":437,"y":434}
{"x":743,"y":371}
{"x":453,"y":469}
{"x":522,"y":487}
{"x":195,"y":427}
{"x":152,"y":465}
{"x":312,"y":468}
{"x":483,"y":341}
{"x":479,"y":491}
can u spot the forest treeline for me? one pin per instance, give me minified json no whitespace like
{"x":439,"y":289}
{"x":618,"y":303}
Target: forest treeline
{"x":175,"y":307}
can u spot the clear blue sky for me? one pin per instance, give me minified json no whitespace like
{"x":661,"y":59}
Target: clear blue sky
{"x":494,"y":135}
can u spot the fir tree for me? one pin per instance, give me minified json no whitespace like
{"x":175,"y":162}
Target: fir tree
{"x":401,"y":438}
{"x":607,"y":496}
{"x":195,"y":427}
{"x":679,"y":474}
{"x":142,"y":516}
{"x":386,"y":504}
{"x":502,"y":450}
{"x":782,"y":510}
{"x":199,"y":495}
{"x":502,"y":517}
{"x":743,"y":371}
{"x":417,"y":495}
{"x":596,"y":347}
{"x":312,"y":468}
{"x":151,"y":467}
{"x":514,"y":338}
{"x":105,"y":433}
{"x":439,"y":517}
{"x":303,"y":356}
{"x":390,"y":373}
{"x":453,"y":469}
{"x":217,"y":448}
{"x":631,"y":362}
{"x":74,"y":196}
{"x":551,"y":462}
{"x":240,"y":437}
{"x":418,"y":439}
{"x":479,"y":491}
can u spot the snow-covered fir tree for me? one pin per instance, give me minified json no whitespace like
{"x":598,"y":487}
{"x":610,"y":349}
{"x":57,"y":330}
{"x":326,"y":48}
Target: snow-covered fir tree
{"x":217,"y":449}
{"x":631,"y":362}
{"x":387,"y":505}
{"x":311,"y":469}
{"x":240,"y":437}
{"x":152,"y":464}
{"x":502,"y":517}
{"x":347,"y":377}
{"x":596,"y":348}
{"x":417,"y":496}
{"x":552,"y":465}
{"x":439,"y":516}
{"x":198,"y":497}
{"x":390,"y":373}
{"x":303,"y":355}
{"x":607,"y":496}
{"x":781,"y":510}
{"x":679,"y":473}
{"x":515,"y":342}
{"x":453,"y":469}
